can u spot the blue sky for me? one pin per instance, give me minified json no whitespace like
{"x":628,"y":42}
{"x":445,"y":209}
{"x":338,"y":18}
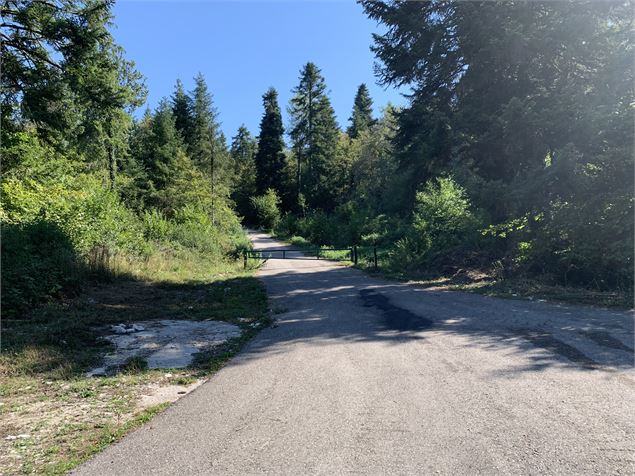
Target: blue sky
{"x":243,"y":47}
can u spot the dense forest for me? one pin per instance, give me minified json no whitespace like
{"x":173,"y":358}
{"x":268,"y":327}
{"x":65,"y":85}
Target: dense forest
{"x":513,"y":154}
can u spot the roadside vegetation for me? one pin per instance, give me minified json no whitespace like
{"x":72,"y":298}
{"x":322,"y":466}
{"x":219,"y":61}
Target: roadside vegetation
{"x":508,"y":171}
{"x":105,"y":219}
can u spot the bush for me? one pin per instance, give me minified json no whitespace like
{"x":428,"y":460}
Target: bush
{"x":442,"y":215}
{"x":266,"y":208}
{"x":86,"y":212}
{"x":441,"y":221}
{"x":287,"y":226}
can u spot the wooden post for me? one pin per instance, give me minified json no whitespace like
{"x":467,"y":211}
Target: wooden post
{"x":355,"y":255}
{"x":318,"y":253}
{"x":375,"y":255}
{"x":245,"y":259}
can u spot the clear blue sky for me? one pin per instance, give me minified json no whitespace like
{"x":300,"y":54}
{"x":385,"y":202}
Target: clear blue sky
{"x":243,"y":47}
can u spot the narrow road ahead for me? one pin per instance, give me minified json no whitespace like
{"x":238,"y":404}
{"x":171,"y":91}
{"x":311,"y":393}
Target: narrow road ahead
{"x":365,"y":376}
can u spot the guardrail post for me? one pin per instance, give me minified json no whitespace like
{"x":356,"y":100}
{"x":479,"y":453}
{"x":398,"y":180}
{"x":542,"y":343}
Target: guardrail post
{"x":355,"y":255}
{"x":318,"y":253}
{"x":375,"y":255}
{"x":245,"y":259}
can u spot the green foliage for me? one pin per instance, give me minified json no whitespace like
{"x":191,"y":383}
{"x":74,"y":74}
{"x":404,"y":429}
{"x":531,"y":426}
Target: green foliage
{"x":266,"y":209}
{"x":61,"y":223}
{"x":89,"y":214}
{"x":442,"y":220}
{"x":38,"y":262}
{"x":182,"y":109}
{"x":314,"y":135}
{"x":270,"y":159}
{"x":542,"y":144}
{"x":442,"y":214}
{"x":243,"y":151}
{"x":362,"y":116}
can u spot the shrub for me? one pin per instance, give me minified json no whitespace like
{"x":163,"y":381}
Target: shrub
{"x":266,"y":208}
{"x":441,"y":221}
{"x":156,"y":226}
{"x":442,"y":215}
{"x":287,"y":226}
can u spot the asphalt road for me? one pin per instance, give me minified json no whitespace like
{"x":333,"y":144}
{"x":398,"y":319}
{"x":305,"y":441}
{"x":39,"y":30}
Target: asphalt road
{"x":365,"y":376}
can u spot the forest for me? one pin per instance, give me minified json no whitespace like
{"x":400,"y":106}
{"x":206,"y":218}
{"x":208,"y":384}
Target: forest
{"x":513,"y":155}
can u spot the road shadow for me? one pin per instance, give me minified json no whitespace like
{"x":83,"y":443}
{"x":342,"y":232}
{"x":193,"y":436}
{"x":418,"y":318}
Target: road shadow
{"x":324,"y":304}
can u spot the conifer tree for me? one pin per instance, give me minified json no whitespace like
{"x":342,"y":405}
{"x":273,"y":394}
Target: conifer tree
{"x":243,"y":151}
{"x":204,"y":127}
{"x":314,"y":134}
{"x":165,"y":148}
{"x":207,"y":148}
{"x":362,"y":116}
{"x":270,"y":158}
{"x":182,"y":109}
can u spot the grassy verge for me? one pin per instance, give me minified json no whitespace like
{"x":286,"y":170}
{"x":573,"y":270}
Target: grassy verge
{"x":53,"y":417}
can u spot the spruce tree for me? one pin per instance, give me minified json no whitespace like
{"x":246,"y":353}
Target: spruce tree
{"x":182,"y":108}
{"x":204,"y":127}
{"x":362,"y":116}
{"x":165,"y":147}
{"x":270,"y":159}
{"x":207,"y":149}
{"x":243,"y":151}
{"x":314,"y":134}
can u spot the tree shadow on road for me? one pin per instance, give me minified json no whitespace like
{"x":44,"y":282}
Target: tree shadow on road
{"x":331,"y":304}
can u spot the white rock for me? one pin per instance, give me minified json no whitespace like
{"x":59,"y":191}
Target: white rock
{"x":24,"y":436}
{"x":138,"y":328}
{"x":11,"y":437}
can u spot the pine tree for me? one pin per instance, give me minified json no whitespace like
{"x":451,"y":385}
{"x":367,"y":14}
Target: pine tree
{"x":270,"y":159}
{"x":362,"y":116}
{"x":314,"y":134}
{"x":182,"y":108}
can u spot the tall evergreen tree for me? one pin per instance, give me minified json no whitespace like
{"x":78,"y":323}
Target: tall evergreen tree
{"x":270,"y":158}
{"x":243,"y":151}
{"x":207,"y":148}
{"x":182,"y":108}
{"x":165,"y":148}
{"x":314,"y":134}
{"x":362,"y":116}
{"x":204,"y":127}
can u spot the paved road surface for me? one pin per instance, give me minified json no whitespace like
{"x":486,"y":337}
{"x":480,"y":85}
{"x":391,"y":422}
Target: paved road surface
{"x":364,"y":376}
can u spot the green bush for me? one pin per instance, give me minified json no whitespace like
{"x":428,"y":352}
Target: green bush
{"x":266,"y":208}
{"x":441,"y":221}
{"x":287,"y":226}
{"x":89,"y":214}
